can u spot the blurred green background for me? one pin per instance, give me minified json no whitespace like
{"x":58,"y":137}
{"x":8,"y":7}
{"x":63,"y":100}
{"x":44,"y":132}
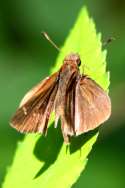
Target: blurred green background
{"x":26,"y":58}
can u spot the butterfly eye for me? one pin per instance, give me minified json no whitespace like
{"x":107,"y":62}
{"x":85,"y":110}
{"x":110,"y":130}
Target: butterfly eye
{"x":79,"y":63}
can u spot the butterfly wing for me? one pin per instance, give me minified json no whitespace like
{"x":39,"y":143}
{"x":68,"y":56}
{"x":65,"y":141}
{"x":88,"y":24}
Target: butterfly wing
{"x":36,"y":106}
{"x":92,"y":105}
{"x":39,"y":88}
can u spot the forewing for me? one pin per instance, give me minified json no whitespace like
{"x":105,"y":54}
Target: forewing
{"x":41,"y":87}
{"x":36,"y":106}
{"x":92,"y":105}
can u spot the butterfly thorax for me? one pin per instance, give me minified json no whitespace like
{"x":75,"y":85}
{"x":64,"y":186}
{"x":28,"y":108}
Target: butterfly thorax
{"x":68,"y":71}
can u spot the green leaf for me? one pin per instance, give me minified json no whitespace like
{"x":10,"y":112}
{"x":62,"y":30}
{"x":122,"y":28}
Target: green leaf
{"x":46,"y":162}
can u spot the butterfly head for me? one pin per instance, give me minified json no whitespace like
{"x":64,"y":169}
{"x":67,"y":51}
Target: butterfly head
{"x":73,"y":57}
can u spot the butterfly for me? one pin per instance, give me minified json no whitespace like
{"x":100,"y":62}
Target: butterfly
{"x":77,"y":100}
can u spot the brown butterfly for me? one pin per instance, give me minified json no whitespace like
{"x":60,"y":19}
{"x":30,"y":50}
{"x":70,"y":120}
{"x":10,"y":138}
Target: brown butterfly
{"x":76,"y":99}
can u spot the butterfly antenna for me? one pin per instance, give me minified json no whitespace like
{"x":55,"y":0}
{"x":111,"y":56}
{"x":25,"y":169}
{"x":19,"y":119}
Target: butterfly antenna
{"x":50,"y":40}
{"x":108,"y":41}
{"x":104,"y":44}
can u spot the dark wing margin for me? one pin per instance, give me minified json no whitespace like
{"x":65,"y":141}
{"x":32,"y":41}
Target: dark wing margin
{"x":92,"y":105}
{"x":35,"y":109}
